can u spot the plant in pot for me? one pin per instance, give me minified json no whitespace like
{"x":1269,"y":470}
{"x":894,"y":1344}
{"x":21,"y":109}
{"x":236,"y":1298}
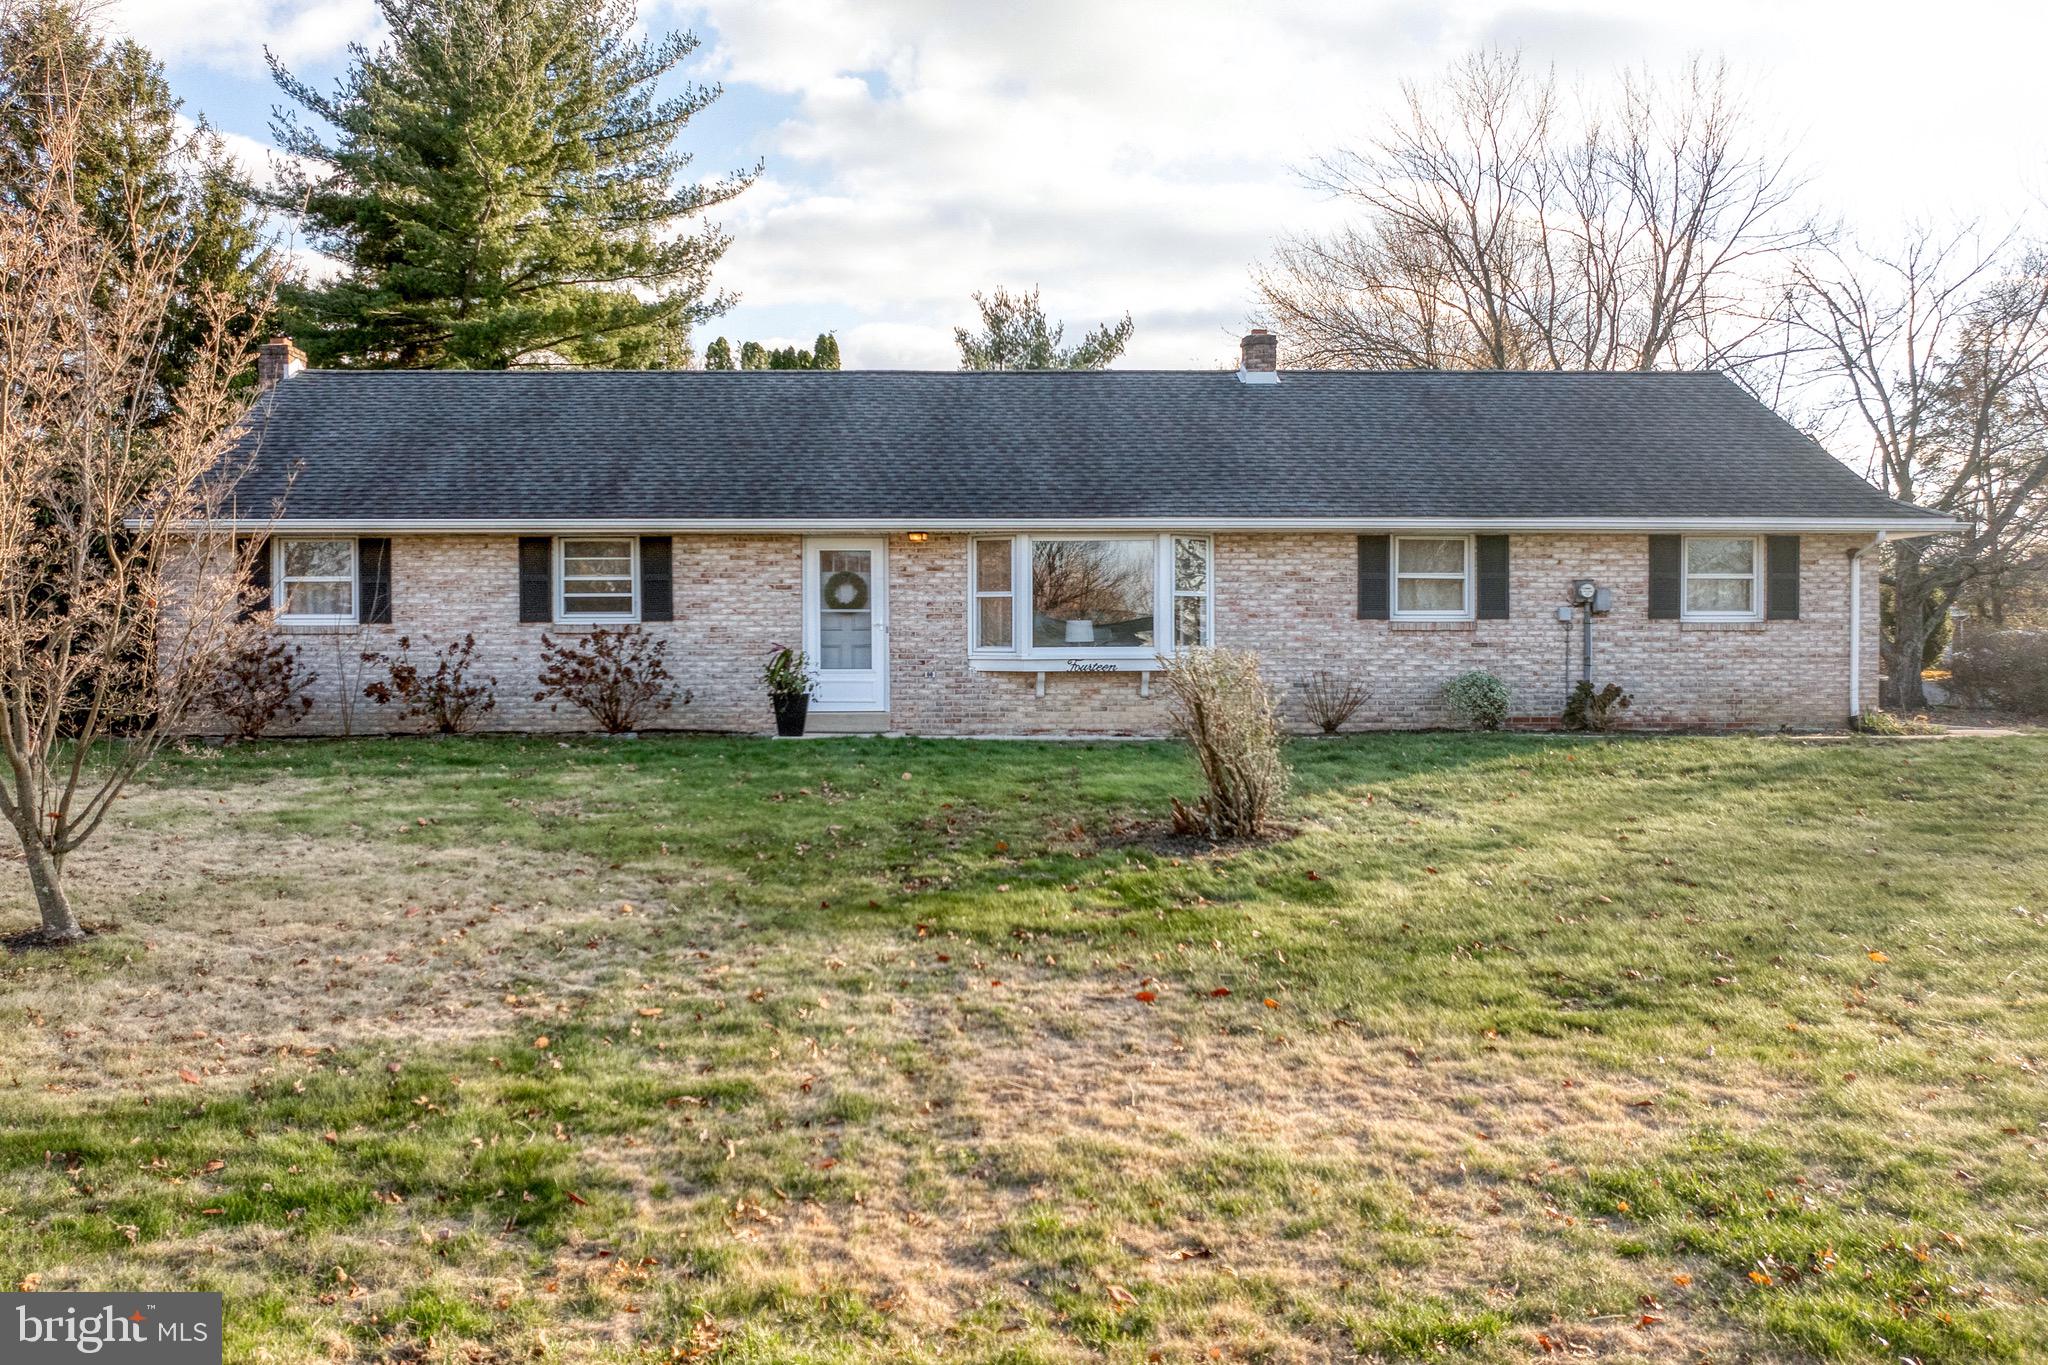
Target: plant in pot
{"x":788,"y":675}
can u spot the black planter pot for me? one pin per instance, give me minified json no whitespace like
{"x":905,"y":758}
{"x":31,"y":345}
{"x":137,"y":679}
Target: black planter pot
{"x":789,"y":715}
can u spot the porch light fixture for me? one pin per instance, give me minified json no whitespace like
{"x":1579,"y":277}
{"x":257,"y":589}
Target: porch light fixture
{"x":918,"y":537}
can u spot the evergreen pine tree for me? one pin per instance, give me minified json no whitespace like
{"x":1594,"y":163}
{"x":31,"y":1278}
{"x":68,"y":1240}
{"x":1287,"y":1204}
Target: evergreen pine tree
{"x":504,"y":188}
{"x":1016,"y":336}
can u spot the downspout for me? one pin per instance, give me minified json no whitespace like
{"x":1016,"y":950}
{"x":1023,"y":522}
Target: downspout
{"x":1856,"y":625}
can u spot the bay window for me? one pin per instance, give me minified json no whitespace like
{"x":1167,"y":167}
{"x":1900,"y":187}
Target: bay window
{"x":1721,"y":579}
{"x":1105,"y":596}
{"x":1432,"y":578}
{"x":596,"y":578}
{"x":316,"y":580}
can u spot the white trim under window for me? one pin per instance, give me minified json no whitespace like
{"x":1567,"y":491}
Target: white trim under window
{"x":1121,"y":628}
{"x":1730,"y":593}
{"x":1429,"y":572}
{"x":594,"y":582}
{"x":303,"y":567}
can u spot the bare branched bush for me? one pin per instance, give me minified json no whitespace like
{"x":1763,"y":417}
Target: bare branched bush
{"x":122,"y":585}
{"x":1331,"y":699}
{"x":439,"y":694}
{"x":619,"y":678}
{"x":2006,"y":669}
{"x":259,"y":683}
{"x":1223,"y":708}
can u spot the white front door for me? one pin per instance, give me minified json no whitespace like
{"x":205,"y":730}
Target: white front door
{"x":846,"y":623}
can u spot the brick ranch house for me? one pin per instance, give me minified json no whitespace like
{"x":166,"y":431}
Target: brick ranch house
{"x":1011,"y":553}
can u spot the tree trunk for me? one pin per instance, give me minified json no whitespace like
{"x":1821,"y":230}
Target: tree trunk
{"x":1909,"y":630}
{"x":46,"y":874}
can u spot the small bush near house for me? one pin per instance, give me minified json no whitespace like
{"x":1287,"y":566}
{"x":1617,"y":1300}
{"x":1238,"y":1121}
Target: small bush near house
{"x":1477,"y":701}
{"x":1885,"y":723}
{"x":442,"y":697}
{"x":2006,"y":670}
{"x":1595,"y":712}
{"x":1331,"y":700}
{"x":1223,"y":708}
{"x":619,"y":678}
{"x":260,"y":684}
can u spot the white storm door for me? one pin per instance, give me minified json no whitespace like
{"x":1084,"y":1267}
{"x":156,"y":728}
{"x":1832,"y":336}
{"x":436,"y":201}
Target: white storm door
{"x":846,"y":623}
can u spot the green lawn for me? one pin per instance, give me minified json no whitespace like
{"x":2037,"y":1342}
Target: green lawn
{"x":871,"y":1050}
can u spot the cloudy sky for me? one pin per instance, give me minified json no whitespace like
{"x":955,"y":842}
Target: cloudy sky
{"x":1127,"y":154}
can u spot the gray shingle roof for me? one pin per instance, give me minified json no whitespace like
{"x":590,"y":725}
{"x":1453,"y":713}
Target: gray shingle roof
{"x":890,"y":446}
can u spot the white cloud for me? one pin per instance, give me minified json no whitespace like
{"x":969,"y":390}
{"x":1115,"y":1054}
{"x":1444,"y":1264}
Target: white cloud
{"x":230,"y":35}
{"x":1140,"y":155}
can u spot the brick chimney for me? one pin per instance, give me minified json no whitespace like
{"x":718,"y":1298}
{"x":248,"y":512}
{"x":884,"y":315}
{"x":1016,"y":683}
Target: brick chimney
{"x":278,"y":359}
{"x":1259,"y":357}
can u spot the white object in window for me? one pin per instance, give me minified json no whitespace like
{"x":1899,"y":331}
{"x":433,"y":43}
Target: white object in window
{"x":995,"y":600}
{"x":1432,"y":578}
{"x":1722,"y":579}
{"x":316,"y":581}
{"x":597,"y":579}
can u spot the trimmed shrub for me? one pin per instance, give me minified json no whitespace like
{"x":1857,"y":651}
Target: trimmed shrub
{"x":2006,"y":669}
{"x":1596,"y":712}
{"x":1477,"y":701}
{"x":260,"y":683}
{"x":619,"y":678}
{"x":1331,"y":700}
{"x":1225,"y":711}
{"x":442,"y":698}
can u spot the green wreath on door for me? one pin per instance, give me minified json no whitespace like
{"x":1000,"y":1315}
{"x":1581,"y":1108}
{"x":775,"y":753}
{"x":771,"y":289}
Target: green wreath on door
{"x":846,"y":591}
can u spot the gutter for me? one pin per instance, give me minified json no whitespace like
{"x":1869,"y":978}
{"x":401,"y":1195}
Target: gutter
{"x":1856,"y":626}
{"x":1901,"y":528}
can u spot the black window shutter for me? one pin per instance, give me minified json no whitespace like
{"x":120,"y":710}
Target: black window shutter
{"x":259,"y":577}
{"x":657,"y":584}
{"x":1667,"y":591}
{"x":1493,"y":577}
{"x":1372,"y":577}
{"x":536,"y":578}
{"x":1781,"y":578}
{"x":373,"y":579}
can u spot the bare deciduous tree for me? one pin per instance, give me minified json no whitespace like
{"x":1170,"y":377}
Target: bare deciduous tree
{"x":1937,"y":351}
{"x":112,"y":611}
{"x":1495,"y":230}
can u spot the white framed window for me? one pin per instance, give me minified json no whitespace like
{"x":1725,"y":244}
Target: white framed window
{"x":1432,"y":578}
{"x":1189,"y":586}
{"x":315,"y":580}
{"x":1723,"y":578}
{"x":597,"y":579}
{"x":994,"y":610}
{"x":1058,"y":596}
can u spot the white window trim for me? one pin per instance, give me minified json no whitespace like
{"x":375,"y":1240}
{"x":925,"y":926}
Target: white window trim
{"x":354,"y":579}
{"x":1467,"y":612}
{"x":976,"y":596}
{"x":612,"y":618}
{"x":1755,"y":576}
{"x":1174,"y":592}
{"x":1164,"y":596}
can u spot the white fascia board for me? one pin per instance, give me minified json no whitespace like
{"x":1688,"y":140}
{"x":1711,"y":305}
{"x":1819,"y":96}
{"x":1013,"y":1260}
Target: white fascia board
{"x":1895,"y":528}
